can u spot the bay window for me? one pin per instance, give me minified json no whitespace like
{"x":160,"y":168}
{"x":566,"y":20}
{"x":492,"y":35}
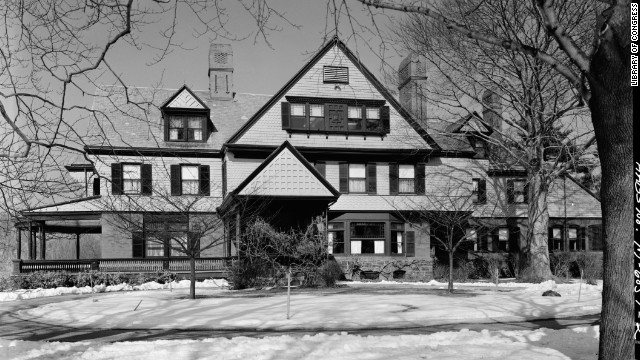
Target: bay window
{"x":336,"y":238}
{"x":472,"y":236}
{"x":556,"y":238}
{"x":572,"y":235}
{"x":367,"y":237}
{"x":397,"y":238}
{"x":503,"y":239}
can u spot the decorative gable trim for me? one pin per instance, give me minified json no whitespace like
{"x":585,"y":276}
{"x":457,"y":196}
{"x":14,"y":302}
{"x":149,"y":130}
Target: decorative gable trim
{"x":299,"y":157}
{"x":368,"y":75}
{"x":184,"y":98}
{"x":458,"y":126}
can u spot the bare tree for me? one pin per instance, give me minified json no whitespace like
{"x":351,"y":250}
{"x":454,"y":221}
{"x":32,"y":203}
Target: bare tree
{"x":600,"y":76}
{"x":526,"y":105}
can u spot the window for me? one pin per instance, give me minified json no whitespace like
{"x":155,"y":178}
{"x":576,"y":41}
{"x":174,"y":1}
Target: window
{"x":336,"y":238}
{"x":503,"y":239}
{"x":556,"y":238}
{"x":336,"y":75}
{"x":373,"y":119}
{"x":190,"y":180}
{"x":316,"y":117}
{"x":367,"y":238}
{"x":517,"y":191}
{"x":397,"y":238}
{"x":186,"y":128}
{"x":162,"y":234}
{"x":342,"y":116}
{"x":357,"y":178}
{"x":131,"y":179}
{"x":479,"y":191}
{"x":572,"y":235}
{"x":299,"y":116}
{"x":355,"y":118}
{"x":472,"y":236}
{"x":406,"y":178}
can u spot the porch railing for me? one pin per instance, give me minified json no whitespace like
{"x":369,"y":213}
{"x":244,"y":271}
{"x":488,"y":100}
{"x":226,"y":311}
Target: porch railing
{"x":210,"y":264}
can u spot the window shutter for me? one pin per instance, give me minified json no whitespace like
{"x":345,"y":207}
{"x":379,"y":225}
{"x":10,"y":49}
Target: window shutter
{"x":138,"y":244}
{"x":550,"y":244}
{"x":205,"y":180}
{"x":147,"y":179}
{"x":482,"y":191}
{"x":410,"y":243}
{"x":344,"y":177}
{"x":286,"y":115}
{"x":393,"y":178}
{"x":419,"y":179}
{"x":482,"y":239}
{"x":176,"y":189}
{"x":526,"y":193}
{"x":510,"y":198}
{"x":595,"y":237}
{"x":322,"y":168}
{"x":224,"y":178}
{"x":514,"y":239}
{"x":384,"y":118}
{"x":116,"y":179}
{"x":166,"y":120}
{"x":372,"y":187}
{"x":96,"y":186}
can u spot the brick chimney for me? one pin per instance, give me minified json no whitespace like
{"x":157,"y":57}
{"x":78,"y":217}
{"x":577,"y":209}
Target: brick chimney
{"x":221,"y":72}
{"x":412,"y":79}
{"x":492,"y":109}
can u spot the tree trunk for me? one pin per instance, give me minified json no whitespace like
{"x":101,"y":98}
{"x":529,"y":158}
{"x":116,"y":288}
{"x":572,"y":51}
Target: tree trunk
{"x":192,"y":286}
{"x":537,"y":230}
{"x":450,"y":289}
{"x":611,"y":107}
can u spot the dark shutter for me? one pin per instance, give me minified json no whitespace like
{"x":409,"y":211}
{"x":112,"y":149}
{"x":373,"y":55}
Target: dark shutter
{"x":510,"y":197}
{"x":286,"y":115}
{"x":205,"y":180}
{"x":482,"y":239}
{"x":410,"y":243}
{"x":581,"y":238}
{"x":393,"y":178}
{"x":322,"y":168}
{"x":344,"y":177}
{"x":482,"y":191}
{"x":526,"y":193}
{"x":147,"y":179}
{"x":176,"y":189}
{"x":384,"y":118}
{"x":419,"y":179}
{"x":116,"y":179}
{"x":595,"y":237}
{"x":138,"y":244}
{"x":550,"y":245}
{"x":514,"y":239}
{"x":371,"y":178}
{"x":165,"y":118}
{"x":224,"y":178}
{"x":96,"y":186}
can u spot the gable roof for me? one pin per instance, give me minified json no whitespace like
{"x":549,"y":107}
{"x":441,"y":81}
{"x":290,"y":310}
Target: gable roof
{"x":312,"y":172}
{"x":335,"y":41}
{"x":184,"y":98}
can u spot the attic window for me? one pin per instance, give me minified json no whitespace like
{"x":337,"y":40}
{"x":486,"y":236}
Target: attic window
{"x":185,"y":127}
{"x":336,"y":75}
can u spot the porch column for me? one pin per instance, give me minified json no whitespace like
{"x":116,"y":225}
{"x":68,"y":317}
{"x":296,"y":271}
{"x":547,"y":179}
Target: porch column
{"x":19,"y":247}
{"x":43,"y":243}
{"x":78,"y":246}
{"x":30,"y":242}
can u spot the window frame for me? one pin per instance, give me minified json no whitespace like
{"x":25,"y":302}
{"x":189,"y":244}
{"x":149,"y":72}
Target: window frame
{"x":163,"y":234}
{"x":364,"y":179}
{"x":182,"y":180}
{"x":184,"y":115}
{"x":397,"y":228}
{"x":336,"y":227}
{"x":139,"y":165}
{"x":363,"y":239}
{"x":559,"y":239}
{"x":413,"y":179}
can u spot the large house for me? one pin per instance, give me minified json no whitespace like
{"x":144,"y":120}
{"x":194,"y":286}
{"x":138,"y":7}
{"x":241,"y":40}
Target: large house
{"x":332,"y":144}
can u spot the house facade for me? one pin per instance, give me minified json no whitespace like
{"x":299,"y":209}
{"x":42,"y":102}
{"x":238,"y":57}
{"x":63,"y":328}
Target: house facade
{"x":332,"y":144}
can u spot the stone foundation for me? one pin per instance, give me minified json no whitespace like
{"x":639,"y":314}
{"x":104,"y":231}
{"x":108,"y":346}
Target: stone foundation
{"x":415,"y":269}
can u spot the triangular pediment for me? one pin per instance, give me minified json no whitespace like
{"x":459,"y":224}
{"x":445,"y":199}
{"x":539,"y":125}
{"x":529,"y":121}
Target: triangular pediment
{"x":471,"y":123}
{"x":185,"y":99}
{"x":285,"y":173}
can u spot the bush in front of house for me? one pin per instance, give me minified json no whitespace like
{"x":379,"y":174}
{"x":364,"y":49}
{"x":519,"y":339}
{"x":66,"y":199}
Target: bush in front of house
{"x":55,"y":279}
{"x":331,"y":272}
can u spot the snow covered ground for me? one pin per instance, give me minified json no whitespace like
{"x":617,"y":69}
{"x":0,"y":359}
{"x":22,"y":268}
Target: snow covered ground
{"x":316,"y":310}
{"x":577,"y":343}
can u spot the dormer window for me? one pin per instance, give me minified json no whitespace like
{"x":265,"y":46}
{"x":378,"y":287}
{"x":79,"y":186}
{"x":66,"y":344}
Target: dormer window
{"x":186,"y":128}
{"x":185,"y":117}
